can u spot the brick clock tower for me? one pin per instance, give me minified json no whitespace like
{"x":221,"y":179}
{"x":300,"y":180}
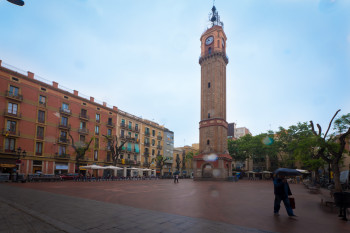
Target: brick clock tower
{"x":213,"y":161}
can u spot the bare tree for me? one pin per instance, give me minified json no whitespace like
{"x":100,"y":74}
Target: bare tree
{"x":114,"y":147}
{"x":80,"y":150}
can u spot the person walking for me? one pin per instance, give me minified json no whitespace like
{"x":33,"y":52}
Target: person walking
{"x":176,"y":178}
{"x":282,"y":191}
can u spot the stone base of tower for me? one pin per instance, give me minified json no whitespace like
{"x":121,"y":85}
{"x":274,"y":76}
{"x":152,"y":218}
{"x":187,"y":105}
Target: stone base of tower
{"x":211,"y":167}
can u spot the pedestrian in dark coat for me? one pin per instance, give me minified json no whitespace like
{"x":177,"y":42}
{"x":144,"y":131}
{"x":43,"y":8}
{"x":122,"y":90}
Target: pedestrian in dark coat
{"x":282,"y":191}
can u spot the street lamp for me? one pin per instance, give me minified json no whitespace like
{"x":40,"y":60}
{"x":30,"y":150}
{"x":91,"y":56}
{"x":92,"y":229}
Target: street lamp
{"x":17,"y":2}
{"x":20,"y":152}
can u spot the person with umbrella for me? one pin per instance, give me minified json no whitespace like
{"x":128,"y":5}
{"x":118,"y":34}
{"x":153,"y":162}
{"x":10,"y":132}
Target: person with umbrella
{"x":282,"y":190}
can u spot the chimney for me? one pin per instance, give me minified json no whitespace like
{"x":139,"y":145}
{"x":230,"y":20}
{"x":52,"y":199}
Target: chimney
{"x":54,"y":84}
{"x":0,"y":62}
{"x":92,"y":99}
{"x":105,"y":104}
{"x":30,"y":75}
{"x":115,"y":108}
{"x":76,"y":92}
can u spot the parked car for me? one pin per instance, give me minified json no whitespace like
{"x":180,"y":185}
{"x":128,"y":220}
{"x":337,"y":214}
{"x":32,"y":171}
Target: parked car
{"x":69,"y":176}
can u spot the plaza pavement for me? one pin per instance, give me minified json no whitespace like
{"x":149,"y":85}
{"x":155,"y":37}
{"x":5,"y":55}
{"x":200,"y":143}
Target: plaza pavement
{"x":159,"y":206}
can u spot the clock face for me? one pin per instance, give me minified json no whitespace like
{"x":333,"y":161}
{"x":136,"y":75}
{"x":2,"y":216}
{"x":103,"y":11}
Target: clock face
{"x":209,"y":40}
{"x":223,"y":43}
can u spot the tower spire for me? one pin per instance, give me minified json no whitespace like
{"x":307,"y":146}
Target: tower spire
{"x":214,"y":16}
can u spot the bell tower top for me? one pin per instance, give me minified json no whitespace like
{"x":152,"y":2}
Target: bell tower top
{"x":213,"y":40}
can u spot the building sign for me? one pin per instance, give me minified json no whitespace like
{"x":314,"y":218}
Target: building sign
{"x":60,"y":166}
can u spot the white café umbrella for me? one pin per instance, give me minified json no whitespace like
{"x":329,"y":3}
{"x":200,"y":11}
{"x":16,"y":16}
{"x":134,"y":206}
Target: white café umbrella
{"x":113,"y":167}
{"x":94,"y":167}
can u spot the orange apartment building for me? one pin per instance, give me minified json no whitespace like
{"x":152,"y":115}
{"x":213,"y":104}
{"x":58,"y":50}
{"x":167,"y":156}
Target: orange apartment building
{"x":37,"y":117}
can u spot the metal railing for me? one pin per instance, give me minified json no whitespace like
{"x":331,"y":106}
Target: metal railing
{"x":12,"y":95}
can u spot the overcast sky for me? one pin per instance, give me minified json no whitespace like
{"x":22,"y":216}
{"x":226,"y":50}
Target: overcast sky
{"x":289,"y":59}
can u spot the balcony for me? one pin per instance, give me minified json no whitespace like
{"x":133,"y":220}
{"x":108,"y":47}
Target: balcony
{"x":10,"y":133}
{"x":146,"y":153}
{"x":136,"y":129}
{"x":159,"y":137}
{"x":64,"y":126}
{"x":63,"y":140}
{"x":147,"y":144}
{"x":62,"y":156}
{"x":42,"y":104}
{"x":159,"y":147}
{"x":123,"y":125}
{"x":16,"y":115}
{"x":83,"y":131}
{"x":13,"y":96}
{"x":40,"y":137}
{"x":84,"y":117}
{"x":147,"y":134}
{"x":108,"y":161}
{"x":110,"y":124}
{"x":66,"y":111}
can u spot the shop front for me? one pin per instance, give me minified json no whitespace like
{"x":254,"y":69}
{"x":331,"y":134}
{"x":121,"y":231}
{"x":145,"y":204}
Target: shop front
{"x":61,"y":168}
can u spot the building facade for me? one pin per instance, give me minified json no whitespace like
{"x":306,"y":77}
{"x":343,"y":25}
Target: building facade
{"x":42,"y":121}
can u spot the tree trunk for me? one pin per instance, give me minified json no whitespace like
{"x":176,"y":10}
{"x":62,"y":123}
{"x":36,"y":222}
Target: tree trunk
{"x":336,"y":176}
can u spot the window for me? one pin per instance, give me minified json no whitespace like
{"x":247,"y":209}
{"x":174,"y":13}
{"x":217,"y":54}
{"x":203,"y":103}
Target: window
{"x":153,"y":142}
{"x":147,"y":131}
{"x":153,"y":133}
{"x":96,"y":155}
{"x":158,"y":153}
{"x":65,"y":106}
{"x":97,"y":142}
{"x":110,"y":122}
{"x":12,"y":108}
{"x":83,"y":113}
{"x":109,"y":132}
{"x":97,"y":129}
{"x":82,"y":138}
{"x":130,"y":124}
{"x":209,"y":85}
{"x":43,"y":89}
{"x":10,"y":144}
{"x":135,"y":157}
{"x":64,"y":121}
{"x":209,"y":50}
{"x":61,"y":150}
{"x":13,"y":91}
{"x":39,"y":148}
{"x":208,"y":142}
{"x":123,"y":122}
{"x":129,"y":134}
{"x":208,"y":115}
{"x":98,"y":118}
{"x":82,"y":125}
{"x":63,"y":136}
{"x":136,"y":127}
{"x":11,"y":126}
{"x":128,"y":156}
{"x":15,"y":79}
{"x":153,"y":152}
{"x":137,"y":149}
{"x":136,"y":136}
{"x":42,"y":99}
{"x":40,"y":132}
{"x":158,"y":143}
{"x":129,"y":146}
{"x":122,"y":133}
{"x":41,"y":116}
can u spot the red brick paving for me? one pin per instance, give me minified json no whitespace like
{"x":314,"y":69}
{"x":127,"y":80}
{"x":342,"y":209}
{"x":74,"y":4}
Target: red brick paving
{"x":245,"y":203}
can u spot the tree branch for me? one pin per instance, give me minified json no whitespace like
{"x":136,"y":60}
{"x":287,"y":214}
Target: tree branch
{"x":330,"y":123}
{"x":313,"y":128}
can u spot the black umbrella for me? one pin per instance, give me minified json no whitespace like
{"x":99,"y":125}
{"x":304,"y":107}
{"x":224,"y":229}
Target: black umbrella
{"x":287,"y":172}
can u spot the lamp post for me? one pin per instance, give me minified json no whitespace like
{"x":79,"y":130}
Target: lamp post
{"x":20,"y":154}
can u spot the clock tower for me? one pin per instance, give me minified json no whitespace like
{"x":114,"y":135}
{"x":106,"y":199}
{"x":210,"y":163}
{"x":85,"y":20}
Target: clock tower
{"x":213,"y":161}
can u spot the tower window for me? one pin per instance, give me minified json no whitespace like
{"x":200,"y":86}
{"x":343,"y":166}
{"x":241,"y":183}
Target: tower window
{"x":208,"y":115}
{"x":209,"y":50}
{"x":208,"y":142}
{"x":208,"y":84}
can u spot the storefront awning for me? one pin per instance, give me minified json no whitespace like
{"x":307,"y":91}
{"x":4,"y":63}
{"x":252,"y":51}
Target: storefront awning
{"x":7,"y":165}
